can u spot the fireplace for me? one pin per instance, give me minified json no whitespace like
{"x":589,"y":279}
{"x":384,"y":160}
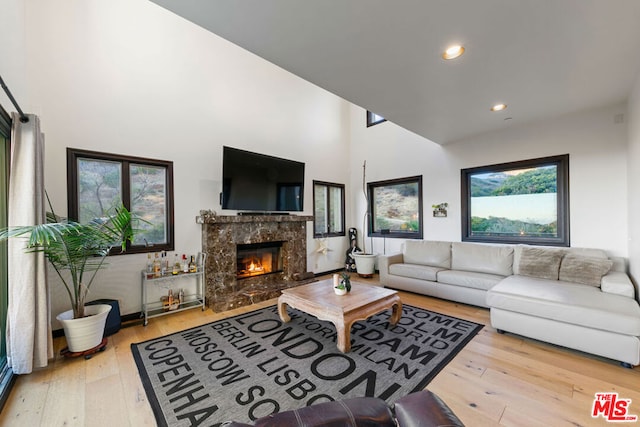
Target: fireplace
{"x":256,"y":259}
{"x":231,"y":281}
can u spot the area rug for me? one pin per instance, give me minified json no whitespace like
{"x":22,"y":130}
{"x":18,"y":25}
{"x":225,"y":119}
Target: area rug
{"x":252,"y":365}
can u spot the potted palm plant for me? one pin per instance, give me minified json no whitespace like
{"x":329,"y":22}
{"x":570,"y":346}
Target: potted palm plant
{"x":77,"y":252}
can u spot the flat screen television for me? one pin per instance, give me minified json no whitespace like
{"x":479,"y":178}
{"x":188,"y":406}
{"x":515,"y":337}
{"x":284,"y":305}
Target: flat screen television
{"x":257,"y":182}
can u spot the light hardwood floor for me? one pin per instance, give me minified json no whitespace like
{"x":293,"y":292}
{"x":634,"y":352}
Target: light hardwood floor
{"x":496,"y":380}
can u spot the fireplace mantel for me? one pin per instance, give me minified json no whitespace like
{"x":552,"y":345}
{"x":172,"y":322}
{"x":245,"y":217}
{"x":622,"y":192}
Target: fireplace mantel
{"x":225,"y":219}
{"x":220,"y":237}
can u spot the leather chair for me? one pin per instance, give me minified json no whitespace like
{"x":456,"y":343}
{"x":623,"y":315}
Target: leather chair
{"x":420,"y":409}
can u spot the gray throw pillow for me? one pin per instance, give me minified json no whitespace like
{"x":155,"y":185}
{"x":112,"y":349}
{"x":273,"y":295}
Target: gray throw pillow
{"x":540,"y":263}
{"x":584,"y":270}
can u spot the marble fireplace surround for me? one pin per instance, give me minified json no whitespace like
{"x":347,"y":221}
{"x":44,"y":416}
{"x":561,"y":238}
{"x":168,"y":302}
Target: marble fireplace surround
{"x":221,"y":234}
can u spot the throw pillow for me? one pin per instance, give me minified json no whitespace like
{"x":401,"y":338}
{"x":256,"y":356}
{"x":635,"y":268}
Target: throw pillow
{"x":540,"y":263}
{"x":584,"y":270}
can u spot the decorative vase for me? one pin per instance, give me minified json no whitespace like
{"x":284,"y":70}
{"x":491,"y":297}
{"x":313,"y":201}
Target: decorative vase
{"x":87,"y":332}
{"x":365,"y":264}
{"x":340,"y":291}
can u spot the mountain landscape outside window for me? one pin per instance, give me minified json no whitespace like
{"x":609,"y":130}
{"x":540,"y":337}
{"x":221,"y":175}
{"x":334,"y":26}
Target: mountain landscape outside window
{"x":517,"y":202}
{"x":396,"y":206}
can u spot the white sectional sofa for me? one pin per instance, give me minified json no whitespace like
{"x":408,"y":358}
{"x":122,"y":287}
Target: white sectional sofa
{"x":573,"y":297}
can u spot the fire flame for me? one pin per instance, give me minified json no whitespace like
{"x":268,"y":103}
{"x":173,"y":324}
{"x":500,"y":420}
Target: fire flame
{"x":255,"y":267}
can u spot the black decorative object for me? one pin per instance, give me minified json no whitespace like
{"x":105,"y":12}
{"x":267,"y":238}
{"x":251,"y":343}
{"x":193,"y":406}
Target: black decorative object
{"x":350,"y":261}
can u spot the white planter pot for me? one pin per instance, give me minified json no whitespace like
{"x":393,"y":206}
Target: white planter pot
{"x":365,"y":264}
{"x":87,"y":332}
{"x":340,"y":291}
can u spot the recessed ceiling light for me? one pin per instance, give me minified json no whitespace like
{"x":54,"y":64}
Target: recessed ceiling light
{"x":453,"y":52}
{"x":499,"y":107}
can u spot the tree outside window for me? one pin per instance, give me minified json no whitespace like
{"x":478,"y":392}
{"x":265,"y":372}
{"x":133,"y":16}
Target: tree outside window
{"x":99,"y":188}
{"x":328,"y":209}
{"x":98,"y":182}
{"x":396,"y":208}
{"x":518,"y":202}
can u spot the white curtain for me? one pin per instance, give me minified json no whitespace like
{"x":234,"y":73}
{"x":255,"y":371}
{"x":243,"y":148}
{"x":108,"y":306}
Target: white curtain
{"x":29,"y":341}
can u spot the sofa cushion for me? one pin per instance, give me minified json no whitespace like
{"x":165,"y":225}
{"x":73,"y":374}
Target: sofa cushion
{"x":567,"y":302}
{"x":584,"y":270}
{"x":617,"y":282}
{"x":426,"y":252}
{"x":468,"y":279}
{"x":482,"y":258}
{"x":540,"y":262}
{"x":414,"y":271}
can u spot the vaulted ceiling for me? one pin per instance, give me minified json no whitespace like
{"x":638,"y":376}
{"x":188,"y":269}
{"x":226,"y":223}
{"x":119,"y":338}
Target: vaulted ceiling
{"x":543,"y":58}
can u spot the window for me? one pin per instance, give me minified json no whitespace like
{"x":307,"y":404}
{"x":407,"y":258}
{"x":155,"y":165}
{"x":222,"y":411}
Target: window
{"x":7,"y":378}
{"x":374,"y":119}
{"x":518,"y":202}
{"x":395,"y":208}
{"x":98,"y":182}
{"x":328,"y":209}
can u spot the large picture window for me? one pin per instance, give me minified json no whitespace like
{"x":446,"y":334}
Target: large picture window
{"x":328,"y":209}
{"x":518,"y":202}
{"x":98,"y":182}
{"x":395,"y":208}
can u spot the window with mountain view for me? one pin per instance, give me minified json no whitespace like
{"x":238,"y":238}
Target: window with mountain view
{"x":99,"y":182}
{"x":518,"y":202}
{"x":395,"y":208}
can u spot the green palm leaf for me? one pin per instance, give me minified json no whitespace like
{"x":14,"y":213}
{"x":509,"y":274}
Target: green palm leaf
{"x":75,"y":249}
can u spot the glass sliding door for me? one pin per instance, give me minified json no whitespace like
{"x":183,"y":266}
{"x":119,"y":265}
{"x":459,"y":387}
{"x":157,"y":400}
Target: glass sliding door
{"x":6,"y":376}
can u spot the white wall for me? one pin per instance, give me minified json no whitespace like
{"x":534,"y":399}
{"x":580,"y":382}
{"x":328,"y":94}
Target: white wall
{"x":598,"y":170}
{"x":633,"y":119}
{"x":128,"y":77}
{"x":12,"y":71}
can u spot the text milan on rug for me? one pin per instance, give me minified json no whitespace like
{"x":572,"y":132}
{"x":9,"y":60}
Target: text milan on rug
{"x":252,"y":365}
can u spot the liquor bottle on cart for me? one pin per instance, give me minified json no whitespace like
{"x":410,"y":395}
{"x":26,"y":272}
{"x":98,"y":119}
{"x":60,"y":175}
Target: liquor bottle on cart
{"x":156,"y":266}
{"x":185,"y":264}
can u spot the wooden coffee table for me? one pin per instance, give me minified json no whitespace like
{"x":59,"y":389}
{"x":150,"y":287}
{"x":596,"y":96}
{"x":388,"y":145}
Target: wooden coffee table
{"x":319,"y":300}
